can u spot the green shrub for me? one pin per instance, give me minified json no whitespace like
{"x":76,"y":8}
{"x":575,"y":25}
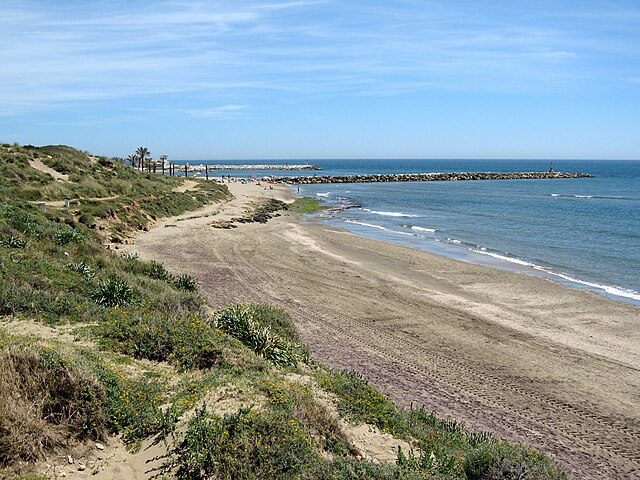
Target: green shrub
{"x":67,"y":235}
{"x":298,"y":402}
{"x":113,"y":293}
{"x":240,"y":322}
{"x":363,"y":402}
{"x":132,"y":406}
{"x":87,"y":219}
{"x":157,"y":270}
{"x":275,"y":318}
{"x":12,"y":241}
{"x":186,"y":282}
{"x":82,"y":268}
{"x":245,"y":445}
{"x":189,"y":342}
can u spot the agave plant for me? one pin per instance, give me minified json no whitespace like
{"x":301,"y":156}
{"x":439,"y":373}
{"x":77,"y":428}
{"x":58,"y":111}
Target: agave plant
{"x":239,"y":321}
{"x":113,"y":293}
{"x":186,"y":282}
{"x":11,"y":241}
{"x":82,"y":268}
{"x":67,"y":235}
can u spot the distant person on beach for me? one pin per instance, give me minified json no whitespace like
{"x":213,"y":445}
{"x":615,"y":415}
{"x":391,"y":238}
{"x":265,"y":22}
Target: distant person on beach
{"x":551,"y":168}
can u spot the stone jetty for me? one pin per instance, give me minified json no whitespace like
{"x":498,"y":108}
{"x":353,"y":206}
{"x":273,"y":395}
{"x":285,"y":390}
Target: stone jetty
{"x":426,"y":177}
{"x":244,"y":166}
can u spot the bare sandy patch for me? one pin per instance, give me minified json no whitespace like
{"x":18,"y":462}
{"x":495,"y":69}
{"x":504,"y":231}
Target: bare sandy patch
{"x":39,"y":165}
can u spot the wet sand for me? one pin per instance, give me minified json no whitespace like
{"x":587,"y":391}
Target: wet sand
{"x":524,"y":357}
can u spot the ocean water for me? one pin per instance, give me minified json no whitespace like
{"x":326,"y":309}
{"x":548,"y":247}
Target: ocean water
{"x":581,"y":232}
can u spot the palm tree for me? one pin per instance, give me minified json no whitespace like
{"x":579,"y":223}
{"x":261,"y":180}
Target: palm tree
{"x":142,"y":153}
{"x":133,"y":159}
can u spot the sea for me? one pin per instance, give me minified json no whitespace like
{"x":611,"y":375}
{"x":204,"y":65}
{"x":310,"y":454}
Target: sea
{"x":582,"y":232}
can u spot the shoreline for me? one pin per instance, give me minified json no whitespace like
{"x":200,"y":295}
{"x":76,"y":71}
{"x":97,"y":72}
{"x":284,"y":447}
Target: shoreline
{"x":462,"y":251}
{"x":527,"y":358}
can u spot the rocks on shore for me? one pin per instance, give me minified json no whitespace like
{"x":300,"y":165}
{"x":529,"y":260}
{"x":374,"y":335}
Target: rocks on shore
{"x":429,"y":177}
{"x":261,"y":213}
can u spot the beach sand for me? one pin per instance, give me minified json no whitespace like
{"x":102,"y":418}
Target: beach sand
{"x":523,"y":357}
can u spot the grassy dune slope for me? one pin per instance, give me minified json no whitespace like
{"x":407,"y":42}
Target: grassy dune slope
{"x":96,"y":345}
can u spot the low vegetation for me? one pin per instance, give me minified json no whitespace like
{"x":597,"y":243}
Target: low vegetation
{"x":306,"y":205}
{"x":102,"y":191}
{"x":114,"y":346}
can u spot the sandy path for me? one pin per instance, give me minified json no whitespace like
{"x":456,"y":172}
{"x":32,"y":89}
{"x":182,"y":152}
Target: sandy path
{"x":521,"y":356}
{"x":186,"y":185}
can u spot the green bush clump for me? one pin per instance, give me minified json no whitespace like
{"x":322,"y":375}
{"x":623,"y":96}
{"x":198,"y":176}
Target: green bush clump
{"x":156,"y":270}
{"x":241,"y":322}
{"x":67,"y":235}
{"x":298,"y":402}
{"x":186,"y":282}
{"x":132,"y":406}
{"x":113,"y":293}
{"x":244,"y":445}
{"x":190,"y":342}
{"x":500,"y":460}
{"x":275,"y":318}
{"x":82,"y":268}
{"x":362,"y":402}
{"x":87,"y":219}
{"x":12,"y":241}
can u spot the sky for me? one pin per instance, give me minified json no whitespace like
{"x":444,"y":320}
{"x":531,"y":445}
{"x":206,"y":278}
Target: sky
{"x":305,"y":79}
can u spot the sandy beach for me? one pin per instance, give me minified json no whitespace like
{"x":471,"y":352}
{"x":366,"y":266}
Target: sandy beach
{"x":520,"y":356}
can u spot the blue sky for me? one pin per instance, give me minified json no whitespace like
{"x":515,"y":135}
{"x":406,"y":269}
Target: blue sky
{"x":297,"y":79}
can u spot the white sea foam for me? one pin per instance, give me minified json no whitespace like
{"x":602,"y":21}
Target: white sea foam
{"x":573,"y":196}
{"x":379,"y":227}
{"x":504,"y":258}
{"x":323,"y":194}
{"x":453,"y":240}
{"x":617,"y":291}
{"x":421,"y":229}
{"x":390,"y":214}
{"x":370,"y":225}
{"x":612,"y":290}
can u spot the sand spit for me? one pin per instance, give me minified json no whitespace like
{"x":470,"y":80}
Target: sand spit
{"x":522,"y":356}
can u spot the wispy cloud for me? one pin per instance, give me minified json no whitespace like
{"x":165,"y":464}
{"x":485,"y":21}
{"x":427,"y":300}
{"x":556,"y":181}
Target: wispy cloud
{"x":217,"y":112}
{"x":236,"y":52}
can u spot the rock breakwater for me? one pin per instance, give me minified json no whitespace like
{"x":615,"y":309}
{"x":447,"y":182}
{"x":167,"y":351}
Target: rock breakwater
{"x":428,"y":177}
{"x":255,"y":166}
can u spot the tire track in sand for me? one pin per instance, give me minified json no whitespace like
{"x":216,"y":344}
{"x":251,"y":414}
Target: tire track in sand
{"x":566,"y":429}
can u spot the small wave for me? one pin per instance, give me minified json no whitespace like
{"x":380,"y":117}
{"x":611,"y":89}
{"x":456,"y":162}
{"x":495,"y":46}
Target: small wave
{"x":505,"y":258}
{"x":421,"y":229}
{"x":379,"y":227}
{"x":611,"y":290}
{"x":323,"y":194}
{"x":390,"y":214}
{"x":579,"y":196}
{"x":453,"y":240}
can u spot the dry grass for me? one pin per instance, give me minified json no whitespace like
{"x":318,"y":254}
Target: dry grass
{"x":44,"y":405}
